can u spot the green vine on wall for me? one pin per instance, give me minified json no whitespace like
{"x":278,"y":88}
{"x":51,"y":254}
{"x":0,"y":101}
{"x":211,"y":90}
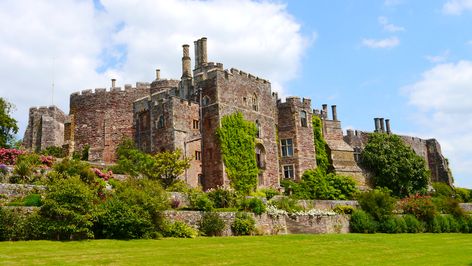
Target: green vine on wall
{"x":237,"y":140}
{"x":322,"y":160}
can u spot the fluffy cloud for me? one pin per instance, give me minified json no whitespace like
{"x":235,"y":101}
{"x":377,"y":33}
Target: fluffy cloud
{"x":456,"y":7}
{"x":81,"y":46}
{"x":443,"y":97}
{"x":381,"y":43}
{"x":387,"y":26}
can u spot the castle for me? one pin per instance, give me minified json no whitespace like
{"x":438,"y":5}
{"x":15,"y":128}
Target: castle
{"x":170,"y":114}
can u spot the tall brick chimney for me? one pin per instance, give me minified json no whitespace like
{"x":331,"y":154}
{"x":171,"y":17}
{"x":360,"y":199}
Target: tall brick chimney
{"x":382,"y":125}
{"x":113,"y":83}
{"x":186,"y":63}
{"x":335,"y":113}
{"x":203,"y":51}
{"x":158,"y":74}
{"x":387,"y":125}
{"x":377,"y":124}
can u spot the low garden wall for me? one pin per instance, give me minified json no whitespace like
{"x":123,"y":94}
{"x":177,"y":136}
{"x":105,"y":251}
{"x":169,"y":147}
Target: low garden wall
{"x":326,"y":204}
{"x":18,"y":190}
{"x":466,"y":206}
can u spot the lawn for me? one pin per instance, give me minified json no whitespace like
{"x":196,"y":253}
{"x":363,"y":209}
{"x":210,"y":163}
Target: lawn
{"x":347,"y":249}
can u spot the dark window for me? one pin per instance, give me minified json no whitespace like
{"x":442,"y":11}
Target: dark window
{"x":198,"y":155}
{"x":196,"y":124}
{"x":206,"y":101}
{"x":303,"y":118}
{"x":160,"y":122}
{"x":288,"y":171}
{"x":254,"y":103}
{"x":260,"y":160}
{"x":258,"y":126}
{"x":287,"y":147}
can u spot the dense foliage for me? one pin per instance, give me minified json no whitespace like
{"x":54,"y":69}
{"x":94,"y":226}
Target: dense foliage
{"x":395,"y":165}
{"x":165,"y":166}
{"x":211,"y":224}
{"x":8,"y":126}
{"x":244,"y":224}
{"x":322,"y":160}
{"x":316,"y":184}
{"x":237,"y":141}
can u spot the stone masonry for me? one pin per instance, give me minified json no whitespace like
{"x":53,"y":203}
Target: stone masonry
{"x":170,"y":114}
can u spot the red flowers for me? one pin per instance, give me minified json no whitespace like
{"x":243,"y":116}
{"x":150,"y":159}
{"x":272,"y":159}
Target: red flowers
{"x":105,"y":176}
{"x":9,"y":156}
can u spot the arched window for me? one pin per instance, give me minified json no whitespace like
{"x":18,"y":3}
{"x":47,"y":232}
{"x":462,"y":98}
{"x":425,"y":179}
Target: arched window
{"x":254,"y":103}
{"x":160,"y":122}
{"x":260,"y":156}
{"x":258,"y":126}
{"x":303,"y":119}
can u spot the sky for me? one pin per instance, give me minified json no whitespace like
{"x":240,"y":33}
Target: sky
{"x":409,"y":61}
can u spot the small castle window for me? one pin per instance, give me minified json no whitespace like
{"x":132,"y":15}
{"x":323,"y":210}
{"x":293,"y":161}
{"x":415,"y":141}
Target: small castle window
{"x":254,"y":103}
{"x":160,"y":122}
{"x":196,"y":124}
{"x":288,"y":171}
{"x":206,"y":101}
{"x":198,"y":155}
{"x":287,"y":147}
{"x":303,"y":119}
{"x":258,"y":126}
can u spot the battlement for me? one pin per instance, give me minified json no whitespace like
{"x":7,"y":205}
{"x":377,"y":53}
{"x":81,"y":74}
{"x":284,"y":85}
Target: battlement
{"x":237,"y":72}
{"x":127,"y":88}
{"x":295,"y":102}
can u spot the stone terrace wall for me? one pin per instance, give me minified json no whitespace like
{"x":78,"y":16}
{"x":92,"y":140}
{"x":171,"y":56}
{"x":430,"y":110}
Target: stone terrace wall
{"x":18,"y":190}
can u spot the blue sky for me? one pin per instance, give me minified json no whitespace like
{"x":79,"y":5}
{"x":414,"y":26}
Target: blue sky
{"x":410,"y":61}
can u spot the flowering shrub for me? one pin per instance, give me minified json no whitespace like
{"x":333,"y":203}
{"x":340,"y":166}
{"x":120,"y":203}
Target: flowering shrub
{"x":9,"y":156}
{"x":315,"y":212}
{"x":105,"y":176}
{"x":274,"y":212}
{"x":4,"y":169}
{"x":47,"y":160}
{"x":421,"y":207}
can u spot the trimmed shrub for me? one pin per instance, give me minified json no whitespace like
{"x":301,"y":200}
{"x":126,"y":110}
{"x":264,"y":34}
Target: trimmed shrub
{"x":413,"y":225}
{"x":211,"y":224}
{"x":378,"y":203}
{"x":393,"y":225}
{"x":244,"y":224}
{"x":362,"y":222}
{"x":254,"y":205}
{"x":223,"y":198}
{"x":180,"y":229}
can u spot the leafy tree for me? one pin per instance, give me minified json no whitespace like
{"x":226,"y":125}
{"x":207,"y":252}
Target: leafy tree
{"x":165,"y":166}
{"x":237,"y":140}
{"x":8,"y":126}
{"x":395,"y":165}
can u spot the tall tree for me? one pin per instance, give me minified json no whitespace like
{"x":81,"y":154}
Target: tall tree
{"x":8,"y":127}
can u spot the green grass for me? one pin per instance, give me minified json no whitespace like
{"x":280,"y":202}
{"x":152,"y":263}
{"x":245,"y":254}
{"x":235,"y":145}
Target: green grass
{"x":348,"y":249}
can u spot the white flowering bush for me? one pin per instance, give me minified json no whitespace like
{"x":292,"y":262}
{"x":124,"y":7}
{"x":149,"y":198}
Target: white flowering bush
{"x":274,"y":212}
{"x":314,"y":212}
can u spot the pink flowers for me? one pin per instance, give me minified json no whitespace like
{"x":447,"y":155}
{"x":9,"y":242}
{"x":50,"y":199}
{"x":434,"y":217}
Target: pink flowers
{"x":47,"y":160}
{"x":105,"y":176}
{"x":9,"y":156}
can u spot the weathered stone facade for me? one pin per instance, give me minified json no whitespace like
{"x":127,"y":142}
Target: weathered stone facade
{"x":170,"y":114}
{"x":45,"y":128}
{"x":429,"y":149}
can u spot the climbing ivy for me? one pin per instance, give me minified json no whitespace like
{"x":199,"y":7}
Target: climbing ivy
{"x":237,"y":140}
{"x":320,"y":145}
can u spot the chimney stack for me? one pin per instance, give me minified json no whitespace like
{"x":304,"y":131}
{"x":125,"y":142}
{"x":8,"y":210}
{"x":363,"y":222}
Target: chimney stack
{"x":377,"y":124}
{"x":158,"y":74}
{"x":382,"y":125}
{"x":113,"y":82}
{"x":186,"y":63}
{"x":203,"y":51}
{"x":387,"y":125}
{"x":325,"y":111}
{"x":335,"y":114}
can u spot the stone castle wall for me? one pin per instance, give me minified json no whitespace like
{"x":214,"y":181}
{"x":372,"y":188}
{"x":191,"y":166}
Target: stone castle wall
{"x":101,"y":119}
{"x":45,"y":128}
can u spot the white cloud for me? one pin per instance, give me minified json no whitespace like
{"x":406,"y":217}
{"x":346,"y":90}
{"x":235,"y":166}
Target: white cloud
{"x":381,"y":43}
{"x":443,"y":97}
{"x":389,"y":26}
{"x":456,"y":7}
{"x":438,"y":58}
{"x":127,"y":41}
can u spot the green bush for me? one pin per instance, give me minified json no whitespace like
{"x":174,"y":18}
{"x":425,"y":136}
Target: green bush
{"x":413,"y":225}
{"x":362,"y":222}
{"x":344,"y":209}
{"x":211,"y":224}
{"x":435,"y":225}
{"x":287,"y":204}
{"x":32,"y":200}
{"x":454,"y":226}
{"x":442,"y":190}
{"x":448,"y":206}
{"x":464,"y":224}
{"x":270,"y":192}
{"x":55,"y":151}
{"x":199,"y":200}
{"x":180,"y":229}
{"x":316,"y":184}
{"x":12,"y":225}
{"x":223,"y":198}
{"x":463,"y":194}
{"x":116,"y":219}
{"x":377,"y":202}
{"x":393,"y":225}
{"x":244,"y":224}
{"x":68,"y":168}
{"x":67,"y":207}
{"x":254,"y":205}
{"x":421,"y":207}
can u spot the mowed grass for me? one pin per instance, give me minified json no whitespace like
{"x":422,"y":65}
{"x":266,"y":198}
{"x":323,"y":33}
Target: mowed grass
{"x":347,"y":249}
